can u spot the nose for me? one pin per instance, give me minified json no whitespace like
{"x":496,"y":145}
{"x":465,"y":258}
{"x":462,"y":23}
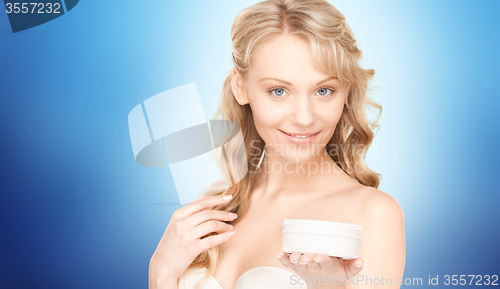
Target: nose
{"x":303,"y":112}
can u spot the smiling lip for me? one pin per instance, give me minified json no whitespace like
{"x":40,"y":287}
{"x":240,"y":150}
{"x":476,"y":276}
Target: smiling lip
{"x":303,"y":140}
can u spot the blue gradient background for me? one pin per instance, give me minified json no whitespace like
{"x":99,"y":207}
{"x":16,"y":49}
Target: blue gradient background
{"x":76,"y":211}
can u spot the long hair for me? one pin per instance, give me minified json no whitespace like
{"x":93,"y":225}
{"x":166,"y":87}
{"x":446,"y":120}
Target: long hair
{"x":335,"y":52}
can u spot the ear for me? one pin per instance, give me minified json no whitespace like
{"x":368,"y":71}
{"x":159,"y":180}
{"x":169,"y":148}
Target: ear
{"x":238,"y":88}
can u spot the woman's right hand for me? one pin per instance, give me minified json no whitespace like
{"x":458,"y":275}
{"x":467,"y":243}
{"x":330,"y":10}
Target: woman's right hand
{"x":181,"y":241}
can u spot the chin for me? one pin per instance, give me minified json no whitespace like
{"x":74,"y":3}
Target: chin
{"x":299,"y":157}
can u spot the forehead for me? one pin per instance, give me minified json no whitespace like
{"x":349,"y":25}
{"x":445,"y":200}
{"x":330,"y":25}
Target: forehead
{"x":287,"y":56}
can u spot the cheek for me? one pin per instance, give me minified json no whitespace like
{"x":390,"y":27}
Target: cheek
{"x":267,"y":117}
{"x":335,"y":116}
{"x":330,"y":117}
{"x":331,"y":113}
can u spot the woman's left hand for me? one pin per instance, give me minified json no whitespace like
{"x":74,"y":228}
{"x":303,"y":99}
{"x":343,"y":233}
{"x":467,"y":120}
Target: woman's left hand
{"x":309,"y":266}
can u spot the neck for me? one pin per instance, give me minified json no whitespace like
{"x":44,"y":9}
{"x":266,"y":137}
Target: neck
{"x":279,"y":175}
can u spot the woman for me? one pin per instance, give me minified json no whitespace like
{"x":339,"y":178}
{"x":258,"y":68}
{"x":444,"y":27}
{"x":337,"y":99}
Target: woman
{"x":299,"y":96}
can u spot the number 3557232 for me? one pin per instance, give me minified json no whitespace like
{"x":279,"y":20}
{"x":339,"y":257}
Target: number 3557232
{"x":33,"y":8}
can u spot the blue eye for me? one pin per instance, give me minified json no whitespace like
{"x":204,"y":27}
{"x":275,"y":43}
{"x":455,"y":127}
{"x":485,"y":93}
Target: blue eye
{"x":277,"y":92}
{"x":324,"y":91}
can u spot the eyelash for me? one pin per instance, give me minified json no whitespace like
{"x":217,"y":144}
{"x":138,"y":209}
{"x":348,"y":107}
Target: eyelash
{"x":280,"y":87}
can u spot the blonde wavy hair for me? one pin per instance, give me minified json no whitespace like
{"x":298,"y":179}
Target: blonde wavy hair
{"x":335,"y":52}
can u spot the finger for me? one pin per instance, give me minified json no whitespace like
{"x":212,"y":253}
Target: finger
{"x":211,"y":241}
{"x":353,"y":267}
{"x":209,"y":227}
{"x":207,"y":215}
{"x":307,"y":259}
{"x":284,"y":259}
{"x":325,"y":261}
{"x":294,"y":258}
{"x":199,"y":205}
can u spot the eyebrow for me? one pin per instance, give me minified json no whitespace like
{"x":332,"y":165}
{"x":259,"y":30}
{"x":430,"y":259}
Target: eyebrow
{"x":290,"y":84}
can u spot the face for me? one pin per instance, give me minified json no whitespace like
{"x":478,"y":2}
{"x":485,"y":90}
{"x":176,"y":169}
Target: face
{"x":290,"y":96}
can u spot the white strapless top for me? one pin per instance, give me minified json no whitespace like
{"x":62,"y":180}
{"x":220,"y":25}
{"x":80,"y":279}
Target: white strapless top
{"x":262,"y":277}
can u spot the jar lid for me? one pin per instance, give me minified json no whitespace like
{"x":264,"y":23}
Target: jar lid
{"x":321,"y":224}
{"x":322,"y":234}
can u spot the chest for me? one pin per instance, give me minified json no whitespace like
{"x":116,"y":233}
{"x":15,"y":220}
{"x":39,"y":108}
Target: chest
{"x":258,"y":234}
{"x":257,"y":238}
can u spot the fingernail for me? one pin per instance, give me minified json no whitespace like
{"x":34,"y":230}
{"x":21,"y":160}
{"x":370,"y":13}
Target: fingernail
{"x":233,"y":215}
{"x":293,"y":261}
{"x":277,"y":254}
{"x":231,"y":227}
{"x":231,"y":233}
{"x":360,"y":265}
{"x":315,"y":260}
{"x":227,"y":197}
{"x":302,"y":263}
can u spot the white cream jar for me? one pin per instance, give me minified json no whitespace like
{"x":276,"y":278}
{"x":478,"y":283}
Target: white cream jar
{"x":321,"y":237}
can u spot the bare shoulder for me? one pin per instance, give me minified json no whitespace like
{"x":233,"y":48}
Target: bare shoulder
{"x":383,"y":246}
{"x":382,"y":221}
{"x":364,"y":205}
{"x":378,"y":205}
